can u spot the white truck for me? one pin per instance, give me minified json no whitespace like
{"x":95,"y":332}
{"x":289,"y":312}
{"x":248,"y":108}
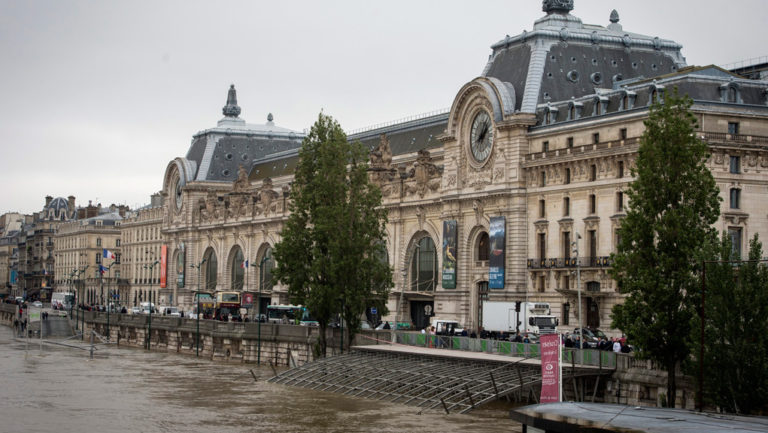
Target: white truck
{"x":529,"y":317}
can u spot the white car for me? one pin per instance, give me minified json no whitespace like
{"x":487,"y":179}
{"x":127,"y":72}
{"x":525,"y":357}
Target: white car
{"x":37,"y":304}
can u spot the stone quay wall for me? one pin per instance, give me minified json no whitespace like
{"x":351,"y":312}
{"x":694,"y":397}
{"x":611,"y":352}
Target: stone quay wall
{"x":281,"y":344}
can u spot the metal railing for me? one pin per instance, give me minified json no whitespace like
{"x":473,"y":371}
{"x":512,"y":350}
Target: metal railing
{"x":593,"y":357}
{"x":570,"y":262}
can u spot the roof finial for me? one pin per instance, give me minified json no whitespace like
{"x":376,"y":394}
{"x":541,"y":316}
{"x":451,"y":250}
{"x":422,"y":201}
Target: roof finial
{"x":231,"y":109}
{"x":614,"y":16}
{"x":270,"y":117}
{"x":557,"y":6}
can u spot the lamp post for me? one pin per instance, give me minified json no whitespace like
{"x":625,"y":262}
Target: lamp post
{"x":149,"y":322}
{"x":575,"y":245}
{"x":197,"y":297}
{"x":71,"y":281}
{"x":81,"y":313}
{"x":258,"y":302}
{"x":109,"y":297}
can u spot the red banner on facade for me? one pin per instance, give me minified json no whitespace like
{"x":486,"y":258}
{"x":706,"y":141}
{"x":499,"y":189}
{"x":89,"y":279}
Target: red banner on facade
{"x":163,"y":266}
{"x":551,"y":349}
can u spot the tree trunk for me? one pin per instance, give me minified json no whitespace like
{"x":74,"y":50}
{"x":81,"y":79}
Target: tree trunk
{"x":671,"y":384}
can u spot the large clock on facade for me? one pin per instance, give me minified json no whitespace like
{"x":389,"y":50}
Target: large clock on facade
{"x":177,"y":197}
{"x":481,"y":136}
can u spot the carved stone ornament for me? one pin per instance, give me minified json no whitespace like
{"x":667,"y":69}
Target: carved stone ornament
{"x":719,"y":158}
{"x":426,"y":174}
{"x":265,"y":199}
{"x":477,"y":206}
{"x":421,"y":217}
{"x":209,"y":208}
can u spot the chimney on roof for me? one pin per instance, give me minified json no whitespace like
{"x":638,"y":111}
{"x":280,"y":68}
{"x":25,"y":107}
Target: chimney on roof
{"x":48,"y":200}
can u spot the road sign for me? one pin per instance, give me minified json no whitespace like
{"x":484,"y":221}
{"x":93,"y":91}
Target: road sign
{"x":373,"y":310}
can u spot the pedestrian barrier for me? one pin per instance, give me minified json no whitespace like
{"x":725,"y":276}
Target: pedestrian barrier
{"x":593,"y":357}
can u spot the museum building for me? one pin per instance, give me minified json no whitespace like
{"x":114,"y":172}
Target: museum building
{"x":501,"y":198}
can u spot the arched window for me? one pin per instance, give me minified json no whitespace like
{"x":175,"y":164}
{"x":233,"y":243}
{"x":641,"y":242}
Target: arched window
{"x":424,"y":266}
{"x":265,"y":269}
{"x":483,"y":249}
{"x":211,"y":267}
{"x":237,"y":269}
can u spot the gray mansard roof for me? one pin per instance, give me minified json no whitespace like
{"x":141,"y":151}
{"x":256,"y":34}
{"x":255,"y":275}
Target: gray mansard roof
{"x":563,"y":58}
{"x":218,"y":152}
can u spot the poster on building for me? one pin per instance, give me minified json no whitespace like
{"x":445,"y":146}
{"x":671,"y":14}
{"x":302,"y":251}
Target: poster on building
{"x":247,"y":300}
{"x":449,"y":254}
{"x":551,"y":368}
{"x":497,"y":243}
{"x":164,"y":266}
{"x":181,"y":265}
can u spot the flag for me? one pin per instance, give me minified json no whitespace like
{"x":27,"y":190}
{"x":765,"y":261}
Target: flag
{"x":102,"y":269}
{"x":108,"y":254}
{"x":244,"y":264}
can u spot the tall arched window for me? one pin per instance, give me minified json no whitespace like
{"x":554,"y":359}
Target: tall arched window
{"x":237,"y":269}
{"x":483,"y":249}
{"x":211,"y":267}
{"x":265,"y":269}
{"x":424,"y":266}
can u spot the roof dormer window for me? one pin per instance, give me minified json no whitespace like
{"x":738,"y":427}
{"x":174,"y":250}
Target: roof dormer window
{"x":730,"y":93}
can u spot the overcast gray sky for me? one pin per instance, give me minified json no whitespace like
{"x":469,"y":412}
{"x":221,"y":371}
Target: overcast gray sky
{"x":96,"y":97}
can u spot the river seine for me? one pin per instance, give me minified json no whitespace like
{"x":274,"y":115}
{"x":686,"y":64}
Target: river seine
{"x":60,"y":389}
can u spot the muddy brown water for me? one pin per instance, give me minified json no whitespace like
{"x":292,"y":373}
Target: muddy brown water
{"x":59,"y":389}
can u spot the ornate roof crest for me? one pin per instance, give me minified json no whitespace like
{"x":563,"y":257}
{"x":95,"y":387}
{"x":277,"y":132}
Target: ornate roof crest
{"x":557,"y":6}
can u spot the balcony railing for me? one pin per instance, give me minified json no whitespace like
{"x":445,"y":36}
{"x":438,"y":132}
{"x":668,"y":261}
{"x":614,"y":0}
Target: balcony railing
{"x":570,"y":262}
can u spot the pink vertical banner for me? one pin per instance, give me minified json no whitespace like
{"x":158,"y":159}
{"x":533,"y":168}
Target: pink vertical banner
{"x":550,"y":368}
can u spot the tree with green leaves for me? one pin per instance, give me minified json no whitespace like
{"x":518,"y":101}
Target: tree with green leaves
{"x":735,"y":330}
{"x":329,"y":254}
{"x":673,"y":203}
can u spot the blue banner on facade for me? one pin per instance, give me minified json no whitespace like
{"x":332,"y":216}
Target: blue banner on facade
{"x":449,"y":254}
{"x":497,"y":246}
{"x":181,"y":266}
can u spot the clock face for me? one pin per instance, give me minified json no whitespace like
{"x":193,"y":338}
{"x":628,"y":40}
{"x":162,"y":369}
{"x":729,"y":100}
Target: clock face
{"x":177,"y":194}
{"x":481,"y":136}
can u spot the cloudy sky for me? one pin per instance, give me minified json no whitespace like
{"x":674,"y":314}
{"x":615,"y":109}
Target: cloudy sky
{"x":96,"y":97}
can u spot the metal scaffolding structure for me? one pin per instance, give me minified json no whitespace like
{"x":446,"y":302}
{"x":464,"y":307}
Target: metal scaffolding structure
{"x":429,"y":382}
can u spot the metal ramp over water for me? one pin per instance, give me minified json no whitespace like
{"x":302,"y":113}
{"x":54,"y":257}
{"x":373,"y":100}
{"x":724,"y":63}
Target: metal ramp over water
{"x":422,"y":378}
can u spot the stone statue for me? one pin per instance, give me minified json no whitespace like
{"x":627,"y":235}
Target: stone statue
{"x":241,"y":183}
{"x":231,"y":109}
{"x":265,"y":198}
{"x":381,"y":170}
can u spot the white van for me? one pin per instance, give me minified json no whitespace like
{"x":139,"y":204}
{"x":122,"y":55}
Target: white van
{"x":170,"y":311}
{"x":145,"y":308}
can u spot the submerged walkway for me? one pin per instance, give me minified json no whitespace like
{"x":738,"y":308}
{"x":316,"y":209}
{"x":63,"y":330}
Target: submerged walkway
{"x":453,"y":381}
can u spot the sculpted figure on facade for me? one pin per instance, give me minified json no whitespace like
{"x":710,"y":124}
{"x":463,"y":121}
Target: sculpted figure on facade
{"x":381,"y":170}
{"x":209,"y":210}
{"x":265,"y":199}
{"x":241,"y":183}
{"x":426,"y":174}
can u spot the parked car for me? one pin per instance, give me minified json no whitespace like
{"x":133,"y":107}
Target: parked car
{"x":37,"y":304}
{"x":135,"y":310}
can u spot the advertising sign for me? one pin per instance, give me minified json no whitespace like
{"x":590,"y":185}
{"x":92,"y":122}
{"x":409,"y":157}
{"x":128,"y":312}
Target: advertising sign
{"x":497,"y":245}
{"x":181,"y":265}
{"x":449,"y":254}
{"x":164,"y":266}
{"x":247,"y":300}
{"x":550,"y":368}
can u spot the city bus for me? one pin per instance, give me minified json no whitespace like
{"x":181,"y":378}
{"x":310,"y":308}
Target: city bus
{"x":228,"y":303}
{"x":293,"y":314}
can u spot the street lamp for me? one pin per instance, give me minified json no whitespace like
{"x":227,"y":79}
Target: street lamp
{"x":197,"y":297}
{"x":149,"y":322}
{"x":109,"y":296}
{"x":81,"y":313}
{"x":258,"y":302}
{"x":575,"y":245}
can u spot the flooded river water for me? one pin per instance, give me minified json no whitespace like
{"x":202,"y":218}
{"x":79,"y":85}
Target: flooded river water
{"x":59,"y":389}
